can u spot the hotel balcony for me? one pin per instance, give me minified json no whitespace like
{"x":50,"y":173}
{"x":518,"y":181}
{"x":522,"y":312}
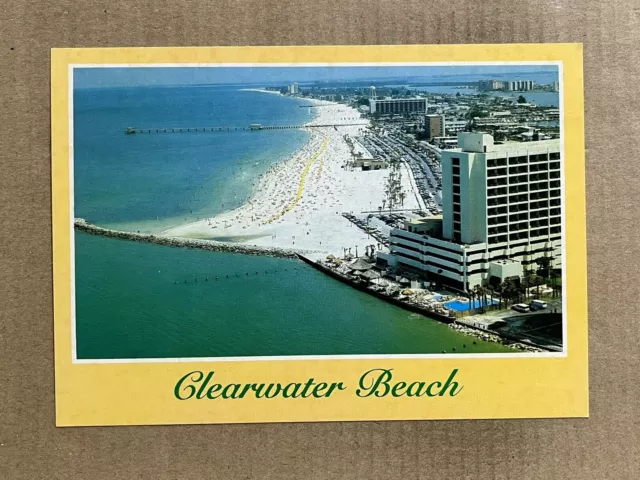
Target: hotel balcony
{"x":402,"y":235}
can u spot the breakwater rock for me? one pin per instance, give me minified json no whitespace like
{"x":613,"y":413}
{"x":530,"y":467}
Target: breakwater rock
{"x":82,"y":225}
{"x":493,"y":337}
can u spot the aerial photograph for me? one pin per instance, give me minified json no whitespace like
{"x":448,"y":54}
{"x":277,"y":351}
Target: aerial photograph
{"x":300,"y":210}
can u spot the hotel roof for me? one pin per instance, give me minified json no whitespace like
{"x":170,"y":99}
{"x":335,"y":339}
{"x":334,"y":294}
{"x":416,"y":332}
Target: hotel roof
{"x":483,"y":143}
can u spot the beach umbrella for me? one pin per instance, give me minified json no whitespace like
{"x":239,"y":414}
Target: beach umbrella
{"x":370,"y":275}
{"x":360,"y":264}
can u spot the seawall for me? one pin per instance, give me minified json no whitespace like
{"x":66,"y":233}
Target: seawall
{"x":513,"y":341}
{"x":363,"y":288}
{"x":82,"y":225}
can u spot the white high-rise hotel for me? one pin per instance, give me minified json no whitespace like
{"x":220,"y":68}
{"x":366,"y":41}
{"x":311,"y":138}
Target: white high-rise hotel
{"x":501,"y":213}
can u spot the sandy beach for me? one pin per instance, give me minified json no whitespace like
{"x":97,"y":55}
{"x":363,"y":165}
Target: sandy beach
{"x":261,"y":90}
{"x":299,"y":202}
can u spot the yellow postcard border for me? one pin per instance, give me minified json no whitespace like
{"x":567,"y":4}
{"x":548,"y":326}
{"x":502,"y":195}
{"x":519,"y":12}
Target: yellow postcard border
{"x":493,"y":386}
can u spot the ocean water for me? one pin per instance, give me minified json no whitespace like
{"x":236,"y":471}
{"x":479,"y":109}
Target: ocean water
{"x":138,"y":300}
{"x":542,"y":99}
{"x":152,"y":181}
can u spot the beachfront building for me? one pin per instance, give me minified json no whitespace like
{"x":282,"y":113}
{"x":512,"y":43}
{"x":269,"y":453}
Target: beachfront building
{"x":293,"y":89}
{"x":509,"y":86}
{"x":501,"y":214}
{"x":397,"y":106}
{"x":520,"y":86}
{"x":369,"y":164}
{"x":490,"y":85}
{"x":434,"y":126}
{"x":454,"y":126}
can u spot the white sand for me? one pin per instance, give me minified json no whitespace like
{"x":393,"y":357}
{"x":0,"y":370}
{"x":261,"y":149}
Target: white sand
{"x":261,"y":90}
{"x":313,"y":220}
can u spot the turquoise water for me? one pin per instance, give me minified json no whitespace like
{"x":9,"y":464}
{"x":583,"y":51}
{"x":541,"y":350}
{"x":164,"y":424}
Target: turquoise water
{"x":138,"y":300}
{"x":464,"y":306}
{"x":152,"y":181}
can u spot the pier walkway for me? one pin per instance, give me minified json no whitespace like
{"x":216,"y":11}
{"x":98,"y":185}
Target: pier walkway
{"x":136,"y":130}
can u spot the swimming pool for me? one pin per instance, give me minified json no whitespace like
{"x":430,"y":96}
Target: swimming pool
{"x":463,"y":306}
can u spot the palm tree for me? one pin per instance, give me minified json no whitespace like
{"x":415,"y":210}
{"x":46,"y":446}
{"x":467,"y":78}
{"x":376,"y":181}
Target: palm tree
{"x":509,"y":291}
{"x":475,"y":294}
{"x":492,"y":292}
{"x":543,"y":265}
{"x":483,"y":294}
{"x":480,"y":294}
{"x":553,"y":275}
{"x":470,"y":294}
{"x":504,"y":293}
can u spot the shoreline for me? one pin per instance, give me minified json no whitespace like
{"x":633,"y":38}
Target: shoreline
{"x":81,"y":225}
{"x":298,"y":203}
{"x":261,"y":90}
{"x":431,"y":312}
{"x":297,"y":206}
{"x":258,"y":183}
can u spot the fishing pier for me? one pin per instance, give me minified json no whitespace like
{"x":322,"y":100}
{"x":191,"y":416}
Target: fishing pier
{"x":253,"y":127}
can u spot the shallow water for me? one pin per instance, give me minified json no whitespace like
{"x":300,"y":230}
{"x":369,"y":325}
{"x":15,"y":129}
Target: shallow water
{"x":149,"y":182}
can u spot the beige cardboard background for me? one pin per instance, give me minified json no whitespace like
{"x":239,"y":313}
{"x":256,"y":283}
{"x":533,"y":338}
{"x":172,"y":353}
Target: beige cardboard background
{"x":605,"y":446}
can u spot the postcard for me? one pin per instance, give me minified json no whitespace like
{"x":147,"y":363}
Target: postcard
{"x":329,"y":233}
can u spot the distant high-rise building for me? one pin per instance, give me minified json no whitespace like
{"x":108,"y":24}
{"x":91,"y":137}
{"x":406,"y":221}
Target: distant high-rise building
{"x":518,"y":85}
{"x":434,"y":126}
{"x":372,"y":93}
{"x":397,"y":106}
{"x":293,"y":89}
{"x":491,"y":85}
{"x":512,"y":86}
{"x":556,"y":86}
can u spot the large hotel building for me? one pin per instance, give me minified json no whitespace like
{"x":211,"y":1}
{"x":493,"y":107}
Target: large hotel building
{"x":516,"y":86}
{"x":501,"y":213}
{"x":397,"y":106}
{"x":434,"y":126}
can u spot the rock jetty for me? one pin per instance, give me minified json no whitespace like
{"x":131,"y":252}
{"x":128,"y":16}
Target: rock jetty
{"x":82,"y":225}
{"x":492,"y":337}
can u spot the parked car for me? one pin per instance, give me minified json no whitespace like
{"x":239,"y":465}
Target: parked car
{"x":520,"y":307}
{"x":538,"y":305}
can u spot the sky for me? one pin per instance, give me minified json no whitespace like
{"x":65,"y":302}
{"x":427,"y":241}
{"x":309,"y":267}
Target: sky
{"x":161,"y":76}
